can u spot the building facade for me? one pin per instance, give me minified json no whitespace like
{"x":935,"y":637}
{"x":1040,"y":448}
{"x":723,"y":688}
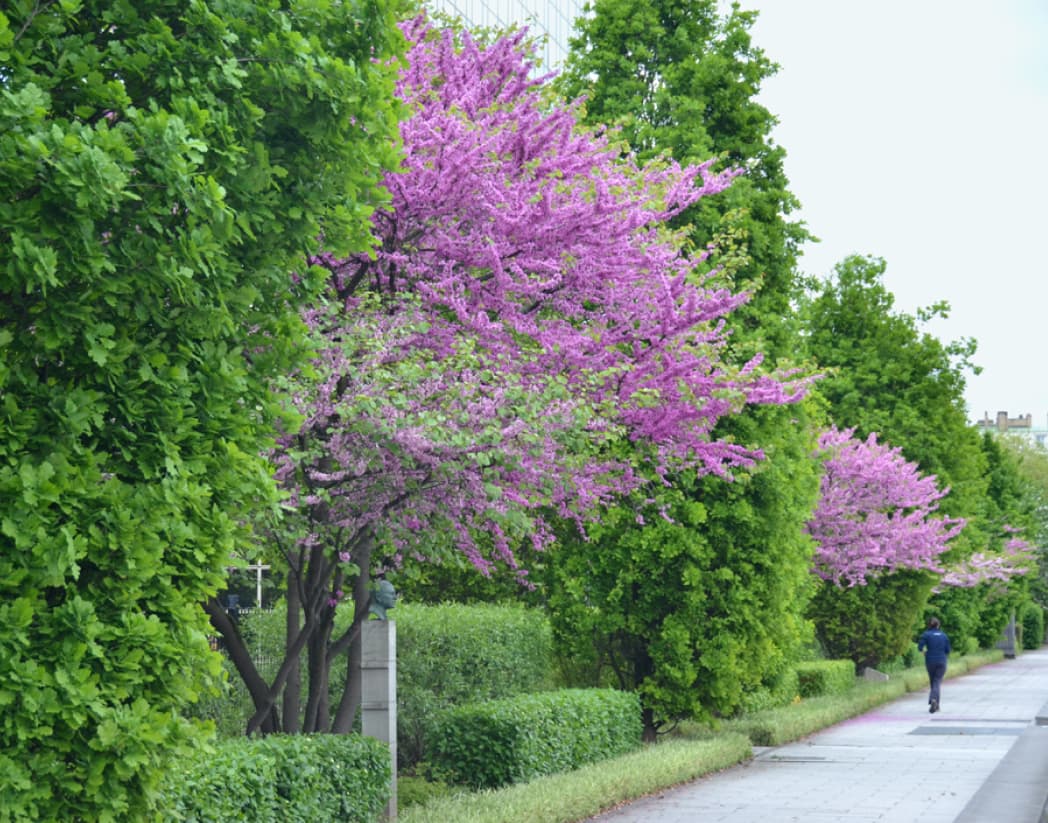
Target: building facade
{"x":1021,"y":426}
{"x":553,"y":20}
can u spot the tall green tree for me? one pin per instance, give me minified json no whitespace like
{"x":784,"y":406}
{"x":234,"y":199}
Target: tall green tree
{"x":681,"y":79}
{"x":692,"y":596}
{"x":978,"y":610}
{"x":886,"y":375}
{"x":165,"y":166}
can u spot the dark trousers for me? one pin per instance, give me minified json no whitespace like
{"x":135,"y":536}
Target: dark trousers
{"x":936,"y":672}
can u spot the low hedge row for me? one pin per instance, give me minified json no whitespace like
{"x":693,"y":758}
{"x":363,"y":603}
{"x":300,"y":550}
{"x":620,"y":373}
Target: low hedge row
{"x":282,"y":779}
{"x":491,"y":744}
{"x":782,"y":690}
{"x":819,"y":677}
{"x":454,"y":654}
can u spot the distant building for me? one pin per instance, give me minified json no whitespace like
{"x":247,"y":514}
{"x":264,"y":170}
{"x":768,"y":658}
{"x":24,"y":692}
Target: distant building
{"x":1021,"y":426}
{"x":553,"y":18}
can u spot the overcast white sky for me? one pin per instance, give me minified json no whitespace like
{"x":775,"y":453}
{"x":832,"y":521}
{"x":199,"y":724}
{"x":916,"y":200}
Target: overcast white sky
{"x":917,"y":131}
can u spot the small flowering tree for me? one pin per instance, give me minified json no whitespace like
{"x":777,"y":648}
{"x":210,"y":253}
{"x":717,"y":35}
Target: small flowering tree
{"x":977,"y":594}
{"x":526,"y":309}
{"x":878,"y":547}
{"x":1014,"y":559}
{"x":875,"y":515}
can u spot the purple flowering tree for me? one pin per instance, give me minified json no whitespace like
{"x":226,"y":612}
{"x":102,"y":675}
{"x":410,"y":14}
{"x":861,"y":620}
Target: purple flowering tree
{"x":878,"y":548}
{"x":1015,"y":558}
{"x":526,"y":310}
{"x":876,"y":513}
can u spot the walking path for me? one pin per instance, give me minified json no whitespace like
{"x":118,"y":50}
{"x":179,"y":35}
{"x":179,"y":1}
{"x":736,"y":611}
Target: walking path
{"x":983,"y":758}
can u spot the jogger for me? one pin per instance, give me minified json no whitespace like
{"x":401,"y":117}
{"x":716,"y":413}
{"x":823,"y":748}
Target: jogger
{"x":936,"y":647}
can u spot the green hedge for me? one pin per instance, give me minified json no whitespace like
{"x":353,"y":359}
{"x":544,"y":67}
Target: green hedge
{"x":282,"y":779}
{"x":486,"y":745}
{"x":447,"y":655}
{"x":453,"y":655}
{"x":1031,"y":618}
{"x":779,"y":691}
{"x":819,"y":677}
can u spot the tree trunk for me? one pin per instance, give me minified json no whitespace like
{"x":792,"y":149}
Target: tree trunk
{"x":351,"y":690}
{"x":650,"y":735}
{"x":293,"y":688}
{"x":245,"y":666}
{"x":317,"y":713}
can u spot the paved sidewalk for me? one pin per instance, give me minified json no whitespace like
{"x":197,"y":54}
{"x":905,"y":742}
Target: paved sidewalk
{"x":982,"y":759}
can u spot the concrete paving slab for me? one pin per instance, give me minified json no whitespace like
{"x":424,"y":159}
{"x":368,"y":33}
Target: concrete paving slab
{"x":982,"y":759}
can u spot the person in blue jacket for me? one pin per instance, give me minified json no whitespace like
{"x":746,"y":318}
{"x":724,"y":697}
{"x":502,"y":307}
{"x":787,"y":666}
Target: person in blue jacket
{"x":936,"y":647}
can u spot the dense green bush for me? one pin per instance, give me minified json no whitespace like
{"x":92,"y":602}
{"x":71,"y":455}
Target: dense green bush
{"x":164,"y":169}
{"x":780,"y":690}
{"x":997,"y":611}
{"x":491,"y":744}
{"x":871,"y":623}
{"x":724,"y":612}
{"x":1031,"y":617}
{"x":454,"y":654}
{"x":447,"y":655}
{"x":281,"y":779}
{"x":819,"y":677}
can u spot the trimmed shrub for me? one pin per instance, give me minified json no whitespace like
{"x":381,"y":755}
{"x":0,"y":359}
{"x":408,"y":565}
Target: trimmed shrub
{"x":486,"y":745}
{"x":783,"y":690}
{"x":447,"y":656}
{"x":454,"y":654}
{"x":871,"y":623}
{"x":1031,"y":618}
{"x":819,"y":677}
{"x":282,"y":779}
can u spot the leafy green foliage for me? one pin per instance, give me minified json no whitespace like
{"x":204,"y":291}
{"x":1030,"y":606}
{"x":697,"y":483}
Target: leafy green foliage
{"x":975,"y":618}
{"x":775,"y":691}
{"x":485,"y":745}
{"x":887,"y":376}
{"x":281,"y":779}
{"x":723,"y":612}
{"x":680,"y":77}
{"x":1031,"y":618}
{"x":454,"y":654}
{"x":164,"y":167}
{"x":819,"y":677}
{"x":871,"y":623}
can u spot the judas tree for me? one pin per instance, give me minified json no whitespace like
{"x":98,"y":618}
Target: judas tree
{"x":527,"y":309}
{"x":875,"y":513}
{"x":878,"y":547}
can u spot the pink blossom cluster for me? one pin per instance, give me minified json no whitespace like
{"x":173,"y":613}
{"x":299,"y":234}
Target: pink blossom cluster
{"x":1014,"y":559}
{"x":876,"y":512}
{"x":526,"y":308}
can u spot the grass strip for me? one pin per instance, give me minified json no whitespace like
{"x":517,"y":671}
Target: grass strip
{"x":576,"y":795}
{"x":696,"y":750}
{"x":774,"y":727}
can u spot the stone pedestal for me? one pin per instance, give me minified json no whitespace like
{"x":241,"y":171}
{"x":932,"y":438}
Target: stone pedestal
{"x":378,"y":666}
{"x":1008,"y":642}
